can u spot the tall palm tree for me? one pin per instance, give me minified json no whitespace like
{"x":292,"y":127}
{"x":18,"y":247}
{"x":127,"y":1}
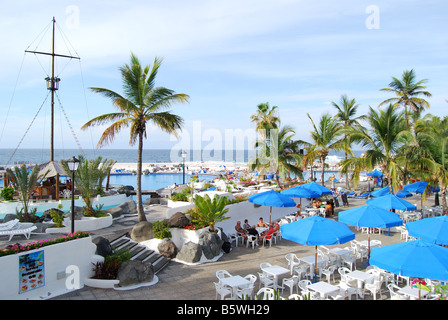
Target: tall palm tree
{"x":326,"y":137}
{"x":408,"y":91}
{"x":266,"y":119}
{"x":141,"y":104}
{"x":278,"y":156}
{"x":385,"y":136}
{"x":347,"y":109}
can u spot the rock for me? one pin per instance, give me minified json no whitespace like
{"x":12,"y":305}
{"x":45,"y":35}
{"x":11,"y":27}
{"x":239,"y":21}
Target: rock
{"x":142,"y":231}
{"x":190,"y":252}
{"x":46,"y":215}
{"x":115,"y":212}
{"x":167,"y":248}
{"x":135,"y":272}
{"x":103,"y":247}
{"x":211,"y":244}
{"x":178,"y":220}
{"x":42,"y":227}
{"x":8,"y":217}
{"x":128,"y":207}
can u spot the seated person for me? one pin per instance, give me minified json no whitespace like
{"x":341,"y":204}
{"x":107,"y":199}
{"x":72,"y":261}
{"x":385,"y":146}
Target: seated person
{"x":314,"y":204}
{"x":319,"y":203}
{"x":240,"y":230}
{"x":267,"y":235}
{"x":246,"y":224}
{"x":261,"y":224}
{"x":276,"y":226}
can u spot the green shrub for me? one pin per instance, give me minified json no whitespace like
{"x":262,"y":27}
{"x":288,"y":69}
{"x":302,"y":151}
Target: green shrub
{"x":109,"y":268}
{"x":57,"y":218}
{"x":179,"y":197}
{"x":161,"y":229}
{"x":7,"y":193}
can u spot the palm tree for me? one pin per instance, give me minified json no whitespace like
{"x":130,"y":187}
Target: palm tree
{"x":346,"y":115}
{"x":279,"y":156}
{"x":408,"y":92}
{"x":326,"y":137}
{"x":266,"y":119}
{"x":211,"y":211}
{"x":24,"y":183}
{"x":142,"y":103}
{"x":386,"y":135}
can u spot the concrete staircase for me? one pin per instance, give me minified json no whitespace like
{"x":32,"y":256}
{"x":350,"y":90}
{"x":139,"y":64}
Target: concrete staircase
{"x":140,"y":252}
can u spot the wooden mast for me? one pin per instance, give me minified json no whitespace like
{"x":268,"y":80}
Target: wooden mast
{"x":53,"y":85}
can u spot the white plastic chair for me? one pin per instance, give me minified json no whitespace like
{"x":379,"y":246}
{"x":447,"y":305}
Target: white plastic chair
{"x":252,"y":240}
{"x":293,"y":261}
{"x":290,"y":283}
{"x":220,"y":274}
{"x":294,"y":296}
{"x":270,"y":239}
{"x":266,"y":280}
{"x":252,"y":278}
{"x":303,"y":286}
{"x":245,"y":293}
{"x":222,"y":291}
{"x":266,"y":293}
{"x":349,"y":260}
{"x":329,"y":272}
{"x":264,"y":265}
{"x":394,"y":294}
{"x":373,"y":288}
{"x":233,"y":237}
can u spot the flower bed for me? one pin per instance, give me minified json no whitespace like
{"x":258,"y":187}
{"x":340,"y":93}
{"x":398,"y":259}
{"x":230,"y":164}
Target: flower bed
{"x":17,"y":248}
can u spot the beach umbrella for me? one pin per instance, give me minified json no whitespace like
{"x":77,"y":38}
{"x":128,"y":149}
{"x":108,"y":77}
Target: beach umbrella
{"x":380,"y":192}
{"x":317,"y":231}
{"x":313,"y":186}
{"x":370,"y":217}
{"x":375,"y":173}
{"x":300,"y":192}
{"x":391,"y":201}
{"x":403,"y":194}
{"x":417,"y":187}
{"x":417,"y":259}
{"x":432,"y":230}
{"x":271,"y":199}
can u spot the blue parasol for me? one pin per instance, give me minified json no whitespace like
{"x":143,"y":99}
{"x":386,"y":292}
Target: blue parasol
{"x":416,"y":187}
{"x":271,"y":199}
{"x":313,"y":186}
{"x":370,"y":217}
{"x":380,"y":192}
{"x":417,"y":259}
{"x":375,"y":173}
{"x":391,"y":201}
{"x":432,"y":230}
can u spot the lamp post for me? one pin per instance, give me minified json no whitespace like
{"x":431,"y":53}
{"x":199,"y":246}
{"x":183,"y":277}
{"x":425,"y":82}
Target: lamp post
{"x":73,"y":164}
{"x":184,"y":155}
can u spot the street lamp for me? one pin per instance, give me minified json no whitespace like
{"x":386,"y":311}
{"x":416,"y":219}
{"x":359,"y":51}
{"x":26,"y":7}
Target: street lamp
{"x":73,"y":164}
{"x":184,"y":155}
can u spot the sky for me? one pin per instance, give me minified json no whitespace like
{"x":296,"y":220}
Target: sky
{"x":228,"y":56}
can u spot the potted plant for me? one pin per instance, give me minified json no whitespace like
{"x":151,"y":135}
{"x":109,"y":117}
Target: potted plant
{"x":211,"y":211}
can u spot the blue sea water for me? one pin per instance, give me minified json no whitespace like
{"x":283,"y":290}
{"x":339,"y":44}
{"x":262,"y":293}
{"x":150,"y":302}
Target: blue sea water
{"x":149,"y":182}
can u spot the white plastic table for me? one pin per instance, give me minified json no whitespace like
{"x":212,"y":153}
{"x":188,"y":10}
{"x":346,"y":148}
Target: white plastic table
{"x":235,"y":282}
{"x":360,"y":276}
{"x":413,"y":292}
{"x":276,"y":271}
{"x":323,"y":288}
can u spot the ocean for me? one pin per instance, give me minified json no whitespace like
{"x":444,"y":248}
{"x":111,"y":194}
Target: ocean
{"x":149,"y":182}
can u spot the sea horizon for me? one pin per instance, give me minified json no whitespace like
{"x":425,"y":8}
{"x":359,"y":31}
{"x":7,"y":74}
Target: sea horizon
{"x":9,"y":156}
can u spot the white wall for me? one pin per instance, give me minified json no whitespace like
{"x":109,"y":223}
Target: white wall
{"x":57,"y":258}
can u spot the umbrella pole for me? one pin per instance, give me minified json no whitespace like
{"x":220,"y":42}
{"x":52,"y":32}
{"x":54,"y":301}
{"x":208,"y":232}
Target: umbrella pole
{"x":270,"y":214}
{"x":315,"y":265}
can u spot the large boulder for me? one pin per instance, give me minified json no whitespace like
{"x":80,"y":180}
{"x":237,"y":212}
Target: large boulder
{"x":103,"y":247}
{"x":211,"y":244}
{"x":129,"y":207}
{"x":167,"y":248}
{"x":178,"y":220}
{"x":190,"y":252}
{"x":135,"y":272}
{"x":46,"y":215}
{"x":142,"y":231}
